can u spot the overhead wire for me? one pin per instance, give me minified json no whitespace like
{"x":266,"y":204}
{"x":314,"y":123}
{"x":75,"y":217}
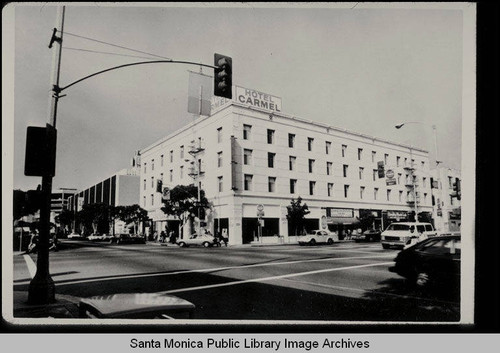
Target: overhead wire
{"x":115,"y":45}
{"x":108,"y":53}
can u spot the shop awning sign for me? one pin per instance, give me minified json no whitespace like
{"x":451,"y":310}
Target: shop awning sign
{"x":389,"y":177}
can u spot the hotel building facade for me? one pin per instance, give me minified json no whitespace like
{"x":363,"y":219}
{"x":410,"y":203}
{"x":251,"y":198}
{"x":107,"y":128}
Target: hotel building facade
{"x":251,"y":160}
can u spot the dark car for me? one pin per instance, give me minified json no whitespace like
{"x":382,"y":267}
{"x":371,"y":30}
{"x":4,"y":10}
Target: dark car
{"x":128,"y":239}
{"x":368,"y":235}
{"x":434,"y":262}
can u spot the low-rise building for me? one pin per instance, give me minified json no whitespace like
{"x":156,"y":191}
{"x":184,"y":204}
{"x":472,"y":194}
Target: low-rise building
{"x":447,"y":199}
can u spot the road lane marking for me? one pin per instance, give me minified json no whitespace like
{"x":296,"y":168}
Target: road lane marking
{"x":31,"y":265}
{"x":264,"y":279}
{"x":216,"y":269}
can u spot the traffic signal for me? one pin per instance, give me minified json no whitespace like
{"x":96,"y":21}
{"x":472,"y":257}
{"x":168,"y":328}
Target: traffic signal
{"x":223,"y":76}
{"x":40,"y":157}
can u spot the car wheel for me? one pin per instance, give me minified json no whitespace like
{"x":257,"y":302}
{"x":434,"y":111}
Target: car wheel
{"x":118,"y":241}
{"x":182,"y":244}
{"x":206,"y":244}
{"x":385,"y":246}
{"x":330,"y":241}
{"x":312,"y":242}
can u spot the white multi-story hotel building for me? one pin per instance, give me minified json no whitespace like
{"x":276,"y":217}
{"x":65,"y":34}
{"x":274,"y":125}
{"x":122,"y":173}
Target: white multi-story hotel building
{"x":253,"y":160}
{"x":447,"y":204}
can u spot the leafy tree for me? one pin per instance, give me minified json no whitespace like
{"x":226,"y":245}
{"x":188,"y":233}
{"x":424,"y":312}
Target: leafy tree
{"x":94,"y":215}
{"x":183,"y":202}
{"x":132,"y":214}
{"x":26,"y":203}
{"x":65,"y":219}
{"x":296,"y":215}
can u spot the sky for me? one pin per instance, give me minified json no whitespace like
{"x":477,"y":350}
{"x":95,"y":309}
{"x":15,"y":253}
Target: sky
{"x":362,"y":69}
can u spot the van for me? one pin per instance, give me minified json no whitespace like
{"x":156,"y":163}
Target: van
{"x":401,"y":234}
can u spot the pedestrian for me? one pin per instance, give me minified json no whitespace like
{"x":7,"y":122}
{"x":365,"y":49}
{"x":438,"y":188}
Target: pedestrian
{"x":54,"y":242}
{"x":224,"y":239}
{"x":32,"y":246}
{"x":162,"y":236}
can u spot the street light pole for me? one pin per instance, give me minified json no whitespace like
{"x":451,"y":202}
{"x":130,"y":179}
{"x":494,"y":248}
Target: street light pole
{"x":41,"y":288}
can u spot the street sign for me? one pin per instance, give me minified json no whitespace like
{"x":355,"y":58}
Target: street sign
{"x":260,"y":211}
{"x":389,"y":174}
{"x":166,"y":194}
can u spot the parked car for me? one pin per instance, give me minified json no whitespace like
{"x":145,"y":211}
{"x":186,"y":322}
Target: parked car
{"x":100,"y":237}
{"x":318,"y":237}
{"x":432,"y":262}
{"x":125,"y":238}
{"x":368,"y":235}
{"x":205,"y":240}
{"x":74,"y":236}
{"x":401,"y":234}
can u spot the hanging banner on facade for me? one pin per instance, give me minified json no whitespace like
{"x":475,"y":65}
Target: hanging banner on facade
{"x":199,"y":93}
{"x":341,"y":212}
{"x":389,"y":177}
{"x":397,"y":214}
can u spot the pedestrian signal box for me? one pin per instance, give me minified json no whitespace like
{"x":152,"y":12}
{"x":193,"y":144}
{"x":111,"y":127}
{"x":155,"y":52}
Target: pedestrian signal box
{"x":40,"y":158}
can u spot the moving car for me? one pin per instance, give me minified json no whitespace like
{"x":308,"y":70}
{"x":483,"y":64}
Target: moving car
{"x":205,"y":240}
{"x":128,"y":239}
{"x":318,"y":237}
{"x":401,"y":234}
{"x":432,"y":262}
{"x":368,"y":235}
{"x":136,"y":306}
{"x":74,"y":236}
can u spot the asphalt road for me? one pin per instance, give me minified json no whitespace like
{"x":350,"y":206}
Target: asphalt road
{"x":343,"y":282}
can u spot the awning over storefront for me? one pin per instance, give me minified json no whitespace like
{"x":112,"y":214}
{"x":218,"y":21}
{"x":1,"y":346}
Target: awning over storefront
{"x":341,"y":220}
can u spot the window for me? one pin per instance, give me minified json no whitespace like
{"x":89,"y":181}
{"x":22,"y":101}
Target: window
{"x":271,"y":184}
{"x":346,"y":191}
{"x":291,"y":140}
{"x":450,"y":181}
{"x":161,"y":177}
{"x":398,"y":159}
{"x":144,"y":184}
{"x":171,"y":175}
{"x":399,"y":178}
{"x":293,"y":185}
{"x":219,"y":135}
{"x":386,"y":157}
{"x":328,"y":147}
{"x":406,"y":161}
{"x":182,"y":152}
{"x":361,"y":192}
{"x":171,"y":156}
{"x":248,"y":182}
{"x":412,"y":163}
{"x":310,"y":142}
{"x":291,"y":162}
{"x":247,"y":157}
{"x":425,"y":198}
{"x":423,"y":164}
{"x":144,"y":201}
{"x":361,"y":170}
{"x":270,"y":159}
{"x":270,"y":136}
{"x":247,"y":129}
{"x":360,"y":153}
{"x":152,"y":199}
{"x":220,"y":184}
{"x":145,"y":167}
{"x":374,"y":155}
{"x":400,"y":196}
{"x":388,"y":195}
{"x":152,"y":164}
{"x":152,"y":182}
{"x":375,"y":193}
{"x":312,"y":185}
{"x":311,"y":166}
{"x":344,"y":150}
{"x":328,"y":168}
{"x":200,"y":166}
{"x":375,"y":173}
{"x":219,"y":159}
{"x":161,"y":161}
{"x":330,"y":189}
{"x":345,"y":170}
{"x":181,"y":172}
{"x":424,"y":182}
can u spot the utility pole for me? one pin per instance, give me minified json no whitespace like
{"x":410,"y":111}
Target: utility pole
{"x":42,"y":289}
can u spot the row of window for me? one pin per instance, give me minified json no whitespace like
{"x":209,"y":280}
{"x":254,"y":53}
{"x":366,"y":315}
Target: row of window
{"x":247,"y":131}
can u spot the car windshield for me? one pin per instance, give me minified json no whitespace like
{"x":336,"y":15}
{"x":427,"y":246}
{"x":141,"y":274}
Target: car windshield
{"x":398,"y":227}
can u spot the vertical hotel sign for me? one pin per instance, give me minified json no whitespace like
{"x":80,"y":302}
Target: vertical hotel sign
{"x":250,"y":97}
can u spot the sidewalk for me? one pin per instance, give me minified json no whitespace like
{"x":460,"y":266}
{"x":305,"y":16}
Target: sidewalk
{"x":66,"y":306}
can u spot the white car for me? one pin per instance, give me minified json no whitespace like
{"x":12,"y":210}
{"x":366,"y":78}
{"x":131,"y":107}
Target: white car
{"x":74,"y":236}
{"x":100,"y":237}
{"x":403,"y":234}
{"x":204,"y":240}
{"x":318,"y":237}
